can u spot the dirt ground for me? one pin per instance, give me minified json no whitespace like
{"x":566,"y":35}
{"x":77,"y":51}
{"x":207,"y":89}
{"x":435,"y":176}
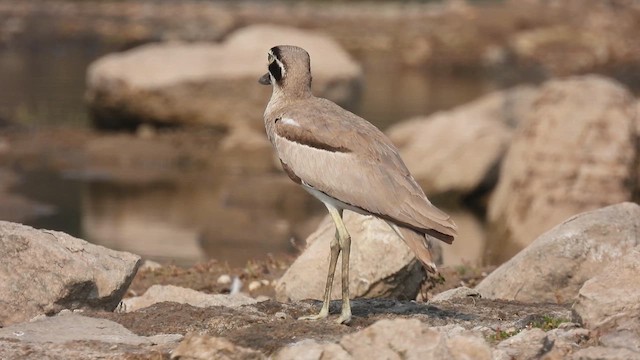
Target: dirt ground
{"x":269,"y":325}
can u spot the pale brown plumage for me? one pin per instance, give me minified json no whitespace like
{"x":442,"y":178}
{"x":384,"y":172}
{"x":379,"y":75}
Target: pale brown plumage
{"x":333,"y":152}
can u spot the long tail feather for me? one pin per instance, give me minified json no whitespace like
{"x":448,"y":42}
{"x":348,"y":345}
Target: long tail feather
{"x":419,"y":245}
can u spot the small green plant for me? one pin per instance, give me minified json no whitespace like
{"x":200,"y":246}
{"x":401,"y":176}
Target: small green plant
{"x":500,"y":335}
{"x":547,"y":323}
{"x":462,"y":270}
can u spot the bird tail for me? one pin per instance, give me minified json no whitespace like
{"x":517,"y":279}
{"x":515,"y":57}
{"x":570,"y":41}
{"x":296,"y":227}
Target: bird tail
{"x":420,"y":246}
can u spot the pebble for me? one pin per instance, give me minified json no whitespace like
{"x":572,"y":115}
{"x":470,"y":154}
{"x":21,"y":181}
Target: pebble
{"x":224,"y":279}
{"x":280,"y":315}
{"x":254,"y":285}
{"x":149,"y":265}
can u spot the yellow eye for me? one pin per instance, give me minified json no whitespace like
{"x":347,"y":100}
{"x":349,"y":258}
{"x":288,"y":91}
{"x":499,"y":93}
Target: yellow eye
{"x":270,"y":58}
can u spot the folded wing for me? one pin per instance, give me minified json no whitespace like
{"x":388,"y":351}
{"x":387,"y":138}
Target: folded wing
{"x":347,"y":158}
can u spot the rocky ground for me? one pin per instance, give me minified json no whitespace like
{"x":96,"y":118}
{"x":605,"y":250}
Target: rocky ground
{"x":211,"y":311}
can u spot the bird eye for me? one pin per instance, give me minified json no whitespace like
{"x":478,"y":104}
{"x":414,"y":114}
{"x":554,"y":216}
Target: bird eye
{"x":271,"y":58}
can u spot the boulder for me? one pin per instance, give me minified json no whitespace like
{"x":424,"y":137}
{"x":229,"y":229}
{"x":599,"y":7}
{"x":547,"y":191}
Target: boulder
{"x":584,"y":36}
{"x":556,"y":265}
{"x":575,"y":151}
{"x":380,"y":264}
{"x":458,"y":293}
{"x":527,"y":344}
{"x":535,"y":343}
{"x":209,"y":84}
{"x":162,"y":293}
{"x":45,"y":271}
{"x":468,"y":248}
{"x":203,"y":347}
{"x":313,"y":350}
{"x":458,"y":151}
{"x":609,"y":303}
{"x":604,"y":353}
{"x":73,"y":336}
{"x":394,"y":339}
{"x":63,"y":328}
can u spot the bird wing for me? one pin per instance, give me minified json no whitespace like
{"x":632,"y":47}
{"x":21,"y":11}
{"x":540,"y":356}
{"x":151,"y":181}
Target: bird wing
{"x":347,"y":158}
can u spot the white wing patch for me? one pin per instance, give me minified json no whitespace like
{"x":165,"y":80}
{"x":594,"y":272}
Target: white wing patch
{"x":289,"y":121}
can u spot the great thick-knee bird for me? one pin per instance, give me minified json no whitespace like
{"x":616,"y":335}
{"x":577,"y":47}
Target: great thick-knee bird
{"x":347,"y":163}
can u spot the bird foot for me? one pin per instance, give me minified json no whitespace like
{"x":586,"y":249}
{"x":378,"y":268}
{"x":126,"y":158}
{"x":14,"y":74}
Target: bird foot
{"x":320,"y":316}
{"x":344,"y":319}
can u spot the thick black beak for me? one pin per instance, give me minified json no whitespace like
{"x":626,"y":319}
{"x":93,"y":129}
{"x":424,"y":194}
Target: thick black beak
{"x":265,"y":79}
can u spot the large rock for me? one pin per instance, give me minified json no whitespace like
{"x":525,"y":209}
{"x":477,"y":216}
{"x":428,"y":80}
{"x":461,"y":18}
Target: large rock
{"x":202,"y":347}
{"x":578,"y":37}
{"x":73,"y":336}
{"x":555,"y":266}
{"x":380,"y":265}
{"x":534,"y":343}
{"x":209,"y":84}
{"x":459,"y":151}
{"x":46,"y":271}
{"x":527,"y":344}
{"x":576,"y":151}
{"x":394,"y":339}
{"x":605,"y":353}
{"x":63,"y":328}
{"x":162,"y":293}
{"x":609,"y":303}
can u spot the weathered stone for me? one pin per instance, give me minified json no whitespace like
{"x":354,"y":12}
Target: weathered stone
{"x":534,"y":344}
{"x":605,"y":353}
{"x":73,"y":327}
{"x":313,"y":350}
{"x":462,"y":292}
{"x":587,"y":36}
{"x":380,"y":265}
{"x":609,"y":303}
{"x":395,"y":339}
{"x":161,"y":293}
{"x":45,"y":271}
{"x":525,"y":345}
{"x":209,"y":84}
{"x":555,"y":266}
{"x":202,"y":347}
{"x":576,"y":151}
{"x":561,"y":342}
{"x":458,"y":151}
{"x":468,"y":248}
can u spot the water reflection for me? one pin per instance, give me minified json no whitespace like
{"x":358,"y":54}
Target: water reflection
{"x":234,"y":219}
{"x":393,"y":93}
{"x":44,"y":84}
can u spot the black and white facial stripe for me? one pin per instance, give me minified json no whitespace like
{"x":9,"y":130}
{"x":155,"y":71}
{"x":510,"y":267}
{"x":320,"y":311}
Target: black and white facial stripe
{"x":276,"y":66}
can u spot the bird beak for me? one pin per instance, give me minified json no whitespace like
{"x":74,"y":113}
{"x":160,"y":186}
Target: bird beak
{"x":265,"y":79}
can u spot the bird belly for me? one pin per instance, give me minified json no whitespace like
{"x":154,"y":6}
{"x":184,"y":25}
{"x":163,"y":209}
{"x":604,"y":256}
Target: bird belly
{"x":331,"y":201}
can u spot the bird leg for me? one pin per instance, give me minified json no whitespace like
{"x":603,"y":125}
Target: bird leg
{"x":340,"y":243}
{"x":335,"y":251}
{"x":345,"y":246}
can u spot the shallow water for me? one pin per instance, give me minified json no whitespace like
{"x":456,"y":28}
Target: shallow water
{"x":44,"y":86}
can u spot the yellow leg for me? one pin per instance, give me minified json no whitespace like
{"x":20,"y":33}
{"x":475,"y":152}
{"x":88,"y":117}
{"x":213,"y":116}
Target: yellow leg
{"x":345,"y":246}
{"x":344,"y":239}
{"x":340,"y":243}
{"x":335,"y":251}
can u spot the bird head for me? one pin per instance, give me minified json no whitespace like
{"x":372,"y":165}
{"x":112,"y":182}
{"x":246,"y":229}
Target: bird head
{"x":289,"y":69}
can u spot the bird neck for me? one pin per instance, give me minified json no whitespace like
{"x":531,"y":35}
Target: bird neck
{"x":291,"y":92}
{"x":283,"y":95}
